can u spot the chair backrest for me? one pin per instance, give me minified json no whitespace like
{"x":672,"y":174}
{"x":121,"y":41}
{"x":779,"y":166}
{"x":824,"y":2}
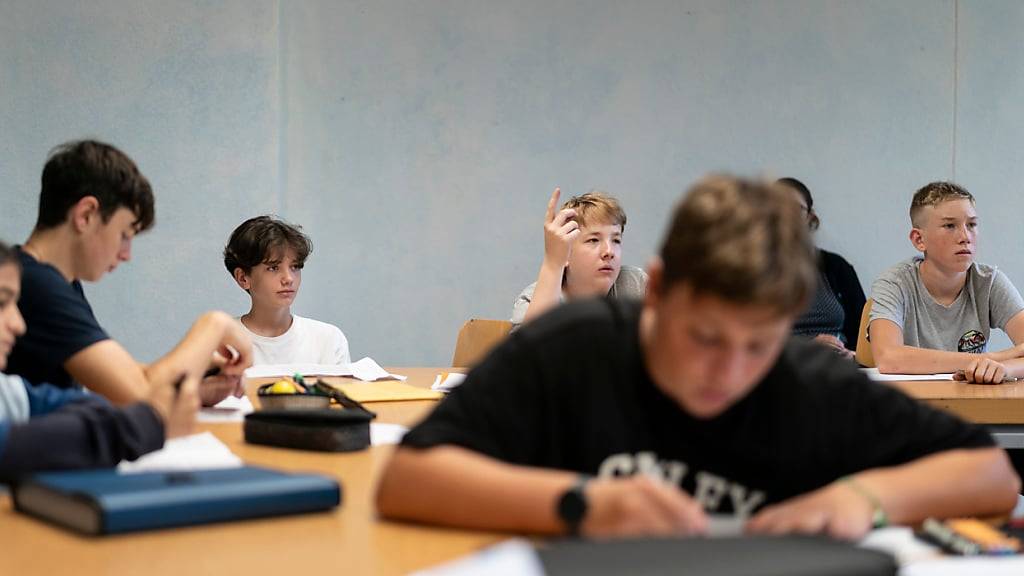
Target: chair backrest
{"x":864,"y":355}
{"x":476,"y":338}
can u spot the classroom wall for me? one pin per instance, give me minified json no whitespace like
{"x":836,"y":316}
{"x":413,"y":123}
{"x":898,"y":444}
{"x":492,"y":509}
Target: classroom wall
{"x":417,"y":142}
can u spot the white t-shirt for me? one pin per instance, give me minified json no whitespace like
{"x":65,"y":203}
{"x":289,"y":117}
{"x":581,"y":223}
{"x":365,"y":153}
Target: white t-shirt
{"x":307,"y":341}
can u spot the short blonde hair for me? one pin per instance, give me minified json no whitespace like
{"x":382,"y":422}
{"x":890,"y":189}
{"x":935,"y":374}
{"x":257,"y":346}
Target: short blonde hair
{"x":933,"y":194}
{"x":744,"y":241}
{"x":596,"y":207}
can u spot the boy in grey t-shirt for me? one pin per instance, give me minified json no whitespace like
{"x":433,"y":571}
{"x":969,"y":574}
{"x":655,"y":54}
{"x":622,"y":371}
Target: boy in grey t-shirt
{"x":934,"y":314}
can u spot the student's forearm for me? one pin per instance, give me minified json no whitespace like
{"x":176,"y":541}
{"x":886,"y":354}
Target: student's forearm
{"x":85,"y":434}
{"x":109,"y":370}
{"x":913,"y":360}
{"x":456,"y":487}
{"x":547,"y":293}
{"x":910,"y":493}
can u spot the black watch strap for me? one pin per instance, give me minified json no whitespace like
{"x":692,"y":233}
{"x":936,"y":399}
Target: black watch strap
{"x":572,"y":505}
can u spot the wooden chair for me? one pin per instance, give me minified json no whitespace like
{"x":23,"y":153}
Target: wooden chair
{"x":864,"y":355}
{"x":476,"y":338}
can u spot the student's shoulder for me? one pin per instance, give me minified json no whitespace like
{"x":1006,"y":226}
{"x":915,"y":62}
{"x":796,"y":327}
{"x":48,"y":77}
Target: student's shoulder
{"x":631,"y":283}
{"x":527,"y":292}
{"x":40,"y":275}
{"x":986,"y":273}
{"x":902,"y":273}
{"x":833,"y":260}
{"x":317,"y":326}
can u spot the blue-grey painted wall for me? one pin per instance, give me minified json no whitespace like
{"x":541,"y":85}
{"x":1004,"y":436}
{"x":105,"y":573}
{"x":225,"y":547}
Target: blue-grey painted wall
{"x":418,"y":141}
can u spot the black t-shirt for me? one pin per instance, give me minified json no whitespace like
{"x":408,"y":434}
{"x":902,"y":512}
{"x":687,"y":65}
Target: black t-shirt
{"x":59,"y":321}
{"x":571,"y":391}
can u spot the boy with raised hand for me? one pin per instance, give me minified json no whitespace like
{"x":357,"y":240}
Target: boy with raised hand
{"x":611,"y":417}
{"x":933,"y":314}
{"x":582,"y":256}
{"x":266,"y":256}
{"x":43,"y":427}
{"x":92,"y":203}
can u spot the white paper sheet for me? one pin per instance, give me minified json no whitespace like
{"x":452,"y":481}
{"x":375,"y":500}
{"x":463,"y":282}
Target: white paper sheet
{"x":509,"y":558}
{"x":381,"y":434}
{"x":230,"y":409}
{"x":452,"y":380}
{"x":874,"y":374}
{"x":196,"y":452}
{"x":365,"y":369}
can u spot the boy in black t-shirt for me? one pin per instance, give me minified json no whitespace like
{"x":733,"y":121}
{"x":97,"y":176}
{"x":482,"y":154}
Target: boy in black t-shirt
{"x":92,"y":203}
{"x":616,"y":418}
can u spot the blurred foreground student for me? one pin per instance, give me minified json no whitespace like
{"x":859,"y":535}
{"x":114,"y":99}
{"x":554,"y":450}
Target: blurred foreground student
{"x":92,"y":203}
{"x":266,"y":256}
{"x":43,"y":427}
{"x":611,"y":417}
{"x":582,"y":256}
{"x":934,"y":313}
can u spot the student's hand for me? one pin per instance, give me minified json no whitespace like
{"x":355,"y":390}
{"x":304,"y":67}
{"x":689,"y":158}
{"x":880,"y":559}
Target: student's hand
{"x":982,"y":371}
{"x":837,"y":510}
{"x":835,"y":344}
{"x":234,"y":354}
{"x":560,"y":231}
{"x":178,"y":408}
{"x":215,"y":388}
{"x":640,"y":505}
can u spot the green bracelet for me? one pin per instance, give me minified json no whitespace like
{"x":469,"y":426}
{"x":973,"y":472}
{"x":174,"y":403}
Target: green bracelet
{"x":879,"y":519}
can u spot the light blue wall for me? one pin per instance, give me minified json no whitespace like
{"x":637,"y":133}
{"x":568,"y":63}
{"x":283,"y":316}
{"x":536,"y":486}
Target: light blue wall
{"x":417,"y":142}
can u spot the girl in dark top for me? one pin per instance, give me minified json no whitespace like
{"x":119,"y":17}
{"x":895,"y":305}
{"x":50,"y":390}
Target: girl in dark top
{"x":833,"y":316}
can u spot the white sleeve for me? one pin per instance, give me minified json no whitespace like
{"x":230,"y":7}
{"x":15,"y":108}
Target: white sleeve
{"x":340,"y":347}
{"x":14,"y":407}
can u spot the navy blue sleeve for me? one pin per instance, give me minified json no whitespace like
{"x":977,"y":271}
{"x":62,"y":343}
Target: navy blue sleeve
{"x":85,"y":434}
{"x":45,"y":398}
{"x":60,"y":323}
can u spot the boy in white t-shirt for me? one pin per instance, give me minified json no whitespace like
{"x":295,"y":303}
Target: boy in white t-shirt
{"x":265,"y":256}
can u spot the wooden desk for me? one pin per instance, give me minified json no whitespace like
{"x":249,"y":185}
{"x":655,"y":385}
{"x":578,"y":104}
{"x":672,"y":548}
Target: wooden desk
{"x":350,"y":540}
{"x":981,"y":403}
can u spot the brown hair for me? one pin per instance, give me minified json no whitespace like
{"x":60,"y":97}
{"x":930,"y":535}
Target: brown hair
{"x":813,"y":222}
{"x":257,"y":239}
{"x":741,"y":240}
{"x":933,"y":194}
{"x":75,"y":170}
{"x":596,"y":207}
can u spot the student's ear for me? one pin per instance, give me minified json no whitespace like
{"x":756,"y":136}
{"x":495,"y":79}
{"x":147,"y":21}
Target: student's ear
{"x":917,"y":239}
{"x":655,"y":281}
{"x":242,"y":279}
{"x":84,"y":212}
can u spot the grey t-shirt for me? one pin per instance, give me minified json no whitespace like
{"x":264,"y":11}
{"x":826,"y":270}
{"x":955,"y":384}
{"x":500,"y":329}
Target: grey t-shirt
{"x":988,"y":300}
{"x":631,"y":283}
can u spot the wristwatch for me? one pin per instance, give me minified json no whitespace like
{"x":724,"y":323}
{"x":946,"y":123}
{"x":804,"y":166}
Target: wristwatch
{"x":572,"y":505}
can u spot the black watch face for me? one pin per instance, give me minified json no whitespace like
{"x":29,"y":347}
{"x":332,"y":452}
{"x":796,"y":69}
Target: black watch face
{"x":572,"y":507}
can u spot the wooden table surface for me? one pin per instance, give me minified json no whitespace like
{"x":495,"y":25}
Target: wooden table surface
{"x":981,"y":403}
{"x":349,"y":540}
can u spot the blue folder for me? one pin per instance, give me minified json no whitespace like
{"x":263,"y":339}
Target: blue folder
{"x":106,"y":502}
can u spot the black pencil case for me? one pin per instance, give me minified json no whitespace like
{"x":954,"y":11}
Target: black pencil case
{"x":324,"y":430}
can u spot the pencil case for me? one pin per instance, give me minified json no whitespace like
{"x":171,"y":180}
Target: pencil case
{"x":323,"y":430}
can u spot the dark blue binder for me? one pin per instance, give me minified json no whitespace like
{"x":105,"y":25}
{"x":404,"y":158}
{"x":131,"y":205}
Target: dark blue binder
{"x":106,"y":502}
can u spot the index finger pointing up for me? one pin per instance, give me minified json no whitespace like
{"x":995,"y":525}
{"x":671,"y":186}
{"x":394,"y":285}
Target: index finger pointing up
{"x":552,"y":204}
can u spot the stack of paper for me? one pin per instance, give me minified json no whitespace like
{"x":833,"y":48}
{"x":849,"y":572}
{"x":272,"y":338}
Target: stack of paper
{"x":366,"y":370}
{"x":196,"y":452}
{"x":874,"y":374}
